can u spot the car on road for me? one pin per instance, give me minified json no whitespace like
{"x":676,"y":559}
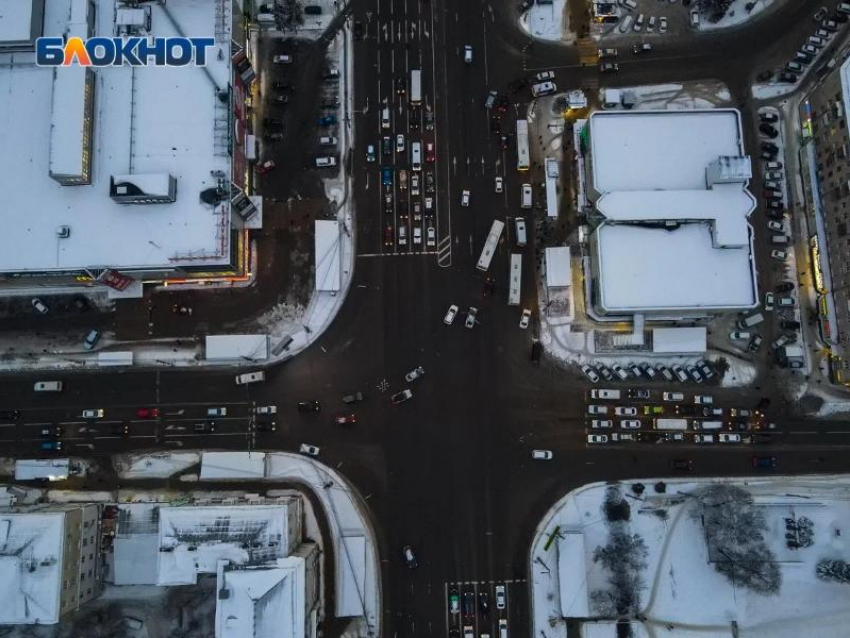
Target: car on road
{"x":597,"y":424}
{"x":309,"y":406}
{"x":282,"y":59}
{"x":673,"y":396}
{"x":327,"y":120}
{"x":401,"y":397}
{"x":464,"y":198}
{"x":525,"y":318}
{"x":52,"y":432}
{"x":265,"y":409}
{"x":608,"y":53}
{"x":703,"y":399}
{"x":682,"y":465}
{"x":729,"y":437}
{"x":500,"y":597}
{"x":468,"y":603}
{"x":454,"y":601}
{"x":51,"y":446}
{"x":265,"y":167}
{"x":147,"y":413}
{"x":609,"y":67}
{"x":541,"y":455}
{"x":39,"y":306}
{"x":467,"y":54}
{"x":414,"y":374}
{"x":641,"y":47}
{"x":490,"y":100}
{"x":450,"y":315}
{"x":370,"y":153}
{"x":590,"y":373}
{"x":597,"y":438}
{"x":10,"y":414}
{"x":310,"y":450}
{"x":399,"y":143}
{"x":471,"y":317}
{"x":764,"y":462}
{"x":543,"y":88}
{"x":781,"y":255}
{"x":417,"y":233}
{"x":346,"y":419}
{"x":204,"y":426}
{"x":386,"y":145}
{"x":630,"y":424}
{"x":499,"y":185}
{"x":430,"y":154}
{"x":95,"y":413}
{"x":625,"y":411}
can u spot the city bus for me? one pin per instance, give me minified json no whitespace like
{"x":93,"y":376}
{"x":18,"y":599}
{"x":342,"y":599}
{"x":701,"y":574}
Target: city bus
{"x":490,"y":245}
{"x":522,"y":156}
{"x":516,"y":279}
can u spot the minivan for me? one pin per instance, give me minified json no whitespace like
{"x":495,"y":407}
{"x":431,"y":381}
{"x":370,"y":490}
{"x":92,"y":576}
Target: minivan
{"x":416,"y":156}
{"x":48,"y":386}
{"x":526,"y":196}
{"x":520,"y":232}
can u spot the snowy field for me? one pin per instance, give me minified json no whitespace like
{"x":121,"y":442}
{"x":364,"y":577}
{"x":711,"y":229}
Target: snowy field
{"x":698,"y":558}
{"x":736,"y":15}
{"x":546,"y":21}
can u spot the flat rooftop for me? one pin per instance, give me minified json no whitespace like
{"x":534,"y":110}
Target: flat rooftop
{"x":661,"y":269}
{"x":147,"y":120}
{"x":15,"y":20}
{"x":660,"y":150}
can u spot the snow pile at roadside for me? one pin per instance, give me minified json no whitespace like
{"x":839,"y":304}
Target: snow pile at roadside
{"x":736,"y":15}
{"x":135,"y":466}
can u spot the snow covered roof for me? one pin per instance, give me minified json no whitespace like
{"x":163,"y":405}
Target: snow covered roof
{"x":327,"y":256}
{"x":670,"y":269}
{"x":572,"y":576}
{"x":351,"y":576}
{"x":19,"y":20}
{"x":147,"y":120}
{"x":34,"y":469}
{"x":31,"y":547}
{"x":193,"y":539}
{"x":672,"y":191}
{"x":236,"y":347}
{"x":255,"y":602}
{"x":558,"y":267}
{"x":679,"y":340}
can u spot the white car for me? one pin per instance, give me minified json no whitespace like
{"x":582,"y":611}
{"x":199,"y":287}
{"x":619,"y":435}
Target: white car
{"x":625,"y":411}
{"x":93,"y":414}
{"x":526,"y":317}
{"x":777,"y":226}
{"x":450,"y":315}
{"x":781,"y":255}
{"x":541,"y":455}
{"x":662,"y":24}
{"x":282,"y":59}
{"x":597,"y":409}
{"x":432,"y":236}
{"x":601,"y":423}
{"x":590,"y":373}
{"x":630,"y":424}
{"x":399,"y":143}
{"x":417,"y":236}
{"x":266,"y":409}
{"x":597,"y":438}
{"x":429,"y":203}
{"x":768,"y":301}
{"x":545,"y":75}
{"x":499,"y":186}
{"x":703,"y":399}
{"x":739,"y":336}
{"x":464,"y":198}
{"x":467,"y":54}
{"x":726,"y":437}
{"x":470,"y":317}
{"x":310,"y":450}
{"x":500,"y":596}
{"x":39,"y":306}
{"x":414,"y":374}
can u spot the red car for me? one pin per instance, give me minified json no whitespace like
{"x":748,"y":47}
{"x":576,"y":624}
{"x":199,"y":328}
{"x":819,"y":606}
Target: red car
{"x":429,"y":152}
{"x":345,"y":420}
{"x":389,"y":237}
{"x":147,"y":413}
{"x":265,"y":167}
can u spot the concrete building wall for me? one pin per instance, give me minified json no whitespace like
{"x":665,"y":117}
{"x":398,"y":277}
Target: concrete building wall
{"x":81,"y":579}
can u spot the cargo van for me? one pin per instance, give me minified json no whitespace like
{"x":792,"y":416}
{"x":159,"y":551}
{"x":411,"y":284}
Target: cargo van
{"x":250,"y":377}
{"x":752,"y":320}
{"x":416,"y":156}
{"x":708,"y":425}
{"x":604,"y":394}
{"x":525,"y":201}
{"x":48,"y":386}
{"x":520,"y":232}
{"x":385,"y":118}
{"x":325,"y":162}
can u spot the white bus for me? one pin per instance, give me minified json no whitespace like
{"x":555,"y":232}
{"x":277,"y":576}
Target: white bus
{"x":522,"y":156}
{"x":516,"y":279}
{"x":415,"y":87}
{"x":490,"y":245}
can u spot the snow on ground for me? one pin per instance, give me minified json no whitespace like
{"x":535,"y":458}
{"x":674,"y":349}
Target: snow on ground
{"x":547,"y":22}
{"x":770,"y":91}
{"x":672,"y":97}
{"x":740,"y":373}
{"x":682,"y":591}
{"x":135,"y":466}
{"x":736,"y":15}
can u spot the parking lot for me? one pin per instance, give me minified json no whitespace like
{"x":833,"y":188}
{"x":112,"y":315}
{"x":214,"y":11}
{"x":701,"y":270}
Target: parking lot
{"x":475,"y":609}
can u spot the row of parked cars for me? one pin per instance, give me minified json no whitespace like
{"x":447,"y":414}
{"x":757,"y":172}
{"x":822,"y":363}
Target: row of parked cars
{"x":828,"y":25}
{"x":696,"y":372}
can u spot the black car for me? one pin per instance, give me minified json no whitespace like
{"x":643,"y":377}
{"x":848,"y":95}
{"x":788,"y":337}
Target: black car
{"x":206,"y":426}
{"x":266,"y":425}
{"x":9,"y":414}
{"x":429,"y":120}
{"x":684,"y":465}
{"x":638,"y":394}
{"x":331,"y":104}
{"x":787,"y":324}
{"x":81,"y":304}
{"x":401,"y":86}
{"x":840,"y":18}
{"x":536,"y":351}
{"x":468,"y":603}
{"x":309,"y":406}
{"x":770,"y":118}
{"x":273,"y":136}
{"x":502,"y":104}
{"x":358,"y":30}
{"x":788,"y":78}
{"x":769,"y":147}
{"x":785,"y":286}
{"x":282,"y":86}
{"x":495,"y":126}
{"x":767,"y":129}
{"x":386,"y":145}
{"x":272,"y":122}
{"x":483,"y":602}
{"x":686,"y":410}
{"x":415,"y":117}
{"x":764,"y":76}
{"x":489,"y":286}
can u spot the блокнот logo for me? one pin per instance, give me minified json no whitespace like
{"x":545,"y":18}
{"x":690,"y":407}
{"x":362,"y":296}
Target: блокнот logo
{"x":130,"y":51}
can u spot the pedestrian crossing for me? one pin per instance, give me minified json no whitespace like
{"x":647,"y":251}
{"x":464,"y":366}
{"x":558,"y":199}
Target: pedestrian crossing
{"x":588,"y":51}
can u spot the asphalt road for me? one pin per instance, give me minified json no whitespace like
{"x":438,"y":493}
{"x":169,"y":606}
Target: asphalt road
{"x":448,"y":472}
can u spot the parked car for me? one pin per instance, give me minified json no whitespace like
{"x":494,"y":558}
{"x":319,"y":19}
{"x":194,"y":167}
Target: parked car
{"x":309,"y":450}
{"x":597,"y":438}
{"x":597,"y":424}
{"x":471,"y":317}
{"x":630,"y":424}
{"x":39,"y":306}
{"x":414,"y":374}
{"x":755,"y":343}
{"x":541,"y":455}
{"x":450,"y":315}
{"x":91,"y":339}
{"x":680,"y":373}
{"x":590,"y":373}
{"x":401,"y":397}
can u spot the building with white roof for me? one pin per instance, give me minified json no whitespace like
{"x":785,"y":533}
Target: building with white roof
{"x":49,"y":562}
{"x":118,"y":169}
{"x":671,"y":207}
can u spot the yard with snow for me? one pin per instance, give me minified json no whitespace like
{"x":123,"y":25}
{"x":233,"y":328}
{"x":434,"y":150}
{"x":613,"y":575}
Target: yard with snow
{"x":698,"y":558}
